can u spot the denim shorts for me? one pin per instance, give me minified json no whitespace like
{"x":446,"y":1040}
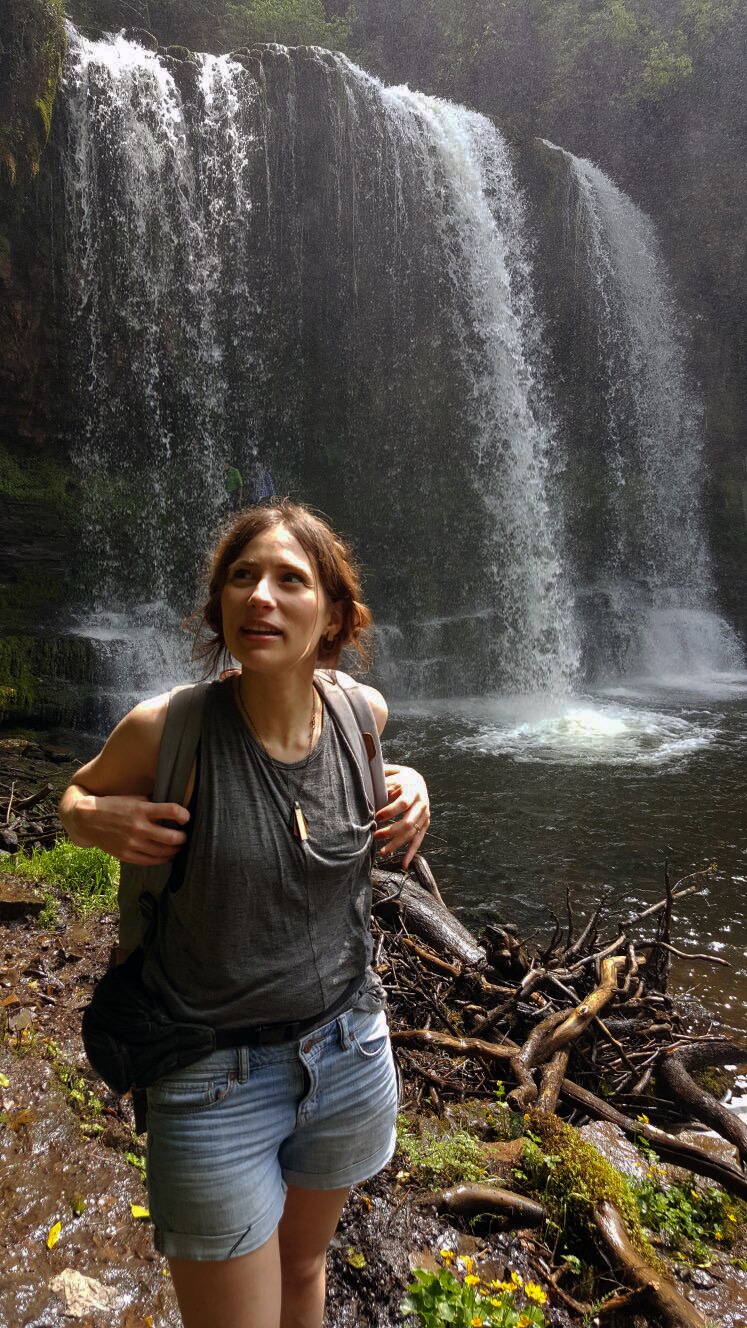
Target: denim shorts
{"x":228,"y":1134}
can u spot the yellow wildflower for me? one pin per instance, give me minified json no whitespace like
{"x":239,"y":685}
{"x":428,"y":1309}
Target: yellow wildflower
{"x":534,"y":1292}
{"x":446,"y":1255}
{"x":730,"y":1217}
{"x":524,"y":1322}
{"x":476,"y":1321}
{"x":718,"y":1234}
{"x":469,"y":1264}
{"x":516,"y":1279}
{"x":695,"y":1194}
{"x":643,"y":1118}
{"x":471,"y":1280}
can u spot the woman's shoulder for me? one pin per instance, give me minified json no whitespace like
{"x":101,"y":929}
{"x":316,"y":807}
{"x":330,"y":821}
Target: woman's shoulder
{"x":373,"y":696}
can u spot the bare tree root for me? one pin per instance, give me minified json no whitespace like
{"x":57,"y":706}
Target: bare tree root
{"x":471,"y":1201}
{"x":634,"y":1271}
{"x":673,"y":1071}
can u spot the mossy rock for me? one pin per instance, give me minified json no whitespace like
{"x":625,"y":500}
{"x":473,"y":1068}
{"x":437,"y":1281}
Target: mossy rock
{"x":34,"y":45}
{"x":143,"y":38}
{"x":182,"y":53}
{"x":570,"y":1177}
{"x":715,"y":1080}
{"x":42,"y":678}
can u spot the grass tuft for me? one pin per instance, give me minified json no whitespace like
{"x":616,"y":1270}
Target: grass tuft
{"x":441,"y":1159}
{"x":88,"y":875}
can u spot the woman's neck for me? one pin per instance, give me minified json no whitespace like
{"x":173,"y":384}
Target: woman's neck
{"x":278,"y":711}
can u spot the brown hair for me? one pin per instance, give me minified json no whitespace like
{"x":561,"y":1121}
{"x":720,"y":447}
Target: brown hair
{"x":334,"y":561}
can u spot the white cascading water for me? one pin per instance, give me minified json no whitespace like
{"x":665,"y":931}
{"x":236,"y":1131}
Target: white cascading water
{"x":464,"y":166}
{"x":656,"y":568}
{"x":275,"y":257}
{"x":184,"y":205}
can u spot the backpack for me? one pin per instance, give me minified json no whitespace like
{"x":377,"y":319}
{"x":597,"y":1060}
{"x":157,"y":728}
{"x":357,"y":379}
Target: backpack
{"x":353,"y":718}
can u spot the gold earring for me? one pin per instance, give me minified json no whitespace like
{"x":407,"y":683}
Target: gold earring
{"x":329,"y":639}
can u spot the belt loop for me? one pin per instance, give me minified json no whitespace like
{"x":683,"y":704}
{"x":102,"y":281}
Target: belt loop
{"x":343,"y":1025}
{"x":243,"y":1055}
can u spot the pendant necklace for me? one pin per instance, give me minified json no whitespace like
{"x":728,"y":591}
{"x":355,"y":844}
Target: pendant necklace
{"x":298,"y":821}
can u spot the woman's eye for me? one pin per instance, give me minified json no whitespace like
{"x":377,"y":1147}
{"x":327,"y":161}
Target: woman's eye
{"x":293,"y":576}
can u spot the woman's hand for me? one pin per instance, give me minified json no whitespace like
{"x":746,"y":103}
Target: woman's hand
{"x":127,"y":827}
{"x":406,"y":817}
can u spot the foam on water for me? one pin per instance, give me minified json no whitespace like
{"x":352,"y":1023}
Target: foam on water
{"x":580,"y":730}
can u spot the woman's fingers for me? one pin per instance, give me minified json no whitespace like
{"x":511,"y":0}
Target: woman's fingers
{"x":414,"y":847}
{"x":130,"y":828}
{"x":409,"y":829}
{"x":406,"y":817}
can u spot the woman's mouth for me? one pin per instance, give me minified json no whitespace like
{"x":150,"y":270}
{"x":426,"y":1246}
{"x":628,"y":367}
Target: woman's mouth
{"x":260,"y":631}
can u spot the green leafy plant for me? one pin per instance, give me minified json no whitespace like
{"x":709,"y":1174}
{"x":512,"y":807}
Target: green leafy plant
{"x":688,"y":1220}
{"x":442,"y":1158}
{"x":50,"y":914}
{"x":88,"y":875}
{"x":86,"y":1104}
{"x":137,"y":1160}
{"x":456,"y":1295}
{"x":536,"y":1162}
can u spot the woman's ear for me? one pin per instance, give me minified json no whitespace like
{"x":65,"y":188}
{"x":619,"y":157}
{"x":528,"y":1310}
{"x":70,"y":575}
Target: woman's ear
{"x":334,"y":623}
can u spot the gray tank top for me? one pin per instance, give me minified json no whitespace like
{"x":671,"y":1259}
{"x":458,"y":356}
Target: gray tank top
{"x":264,"y":928}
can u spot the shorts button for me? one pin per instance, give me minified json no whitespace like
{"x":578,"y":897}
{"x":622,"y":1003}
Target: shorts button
{"x":307,"y":1046}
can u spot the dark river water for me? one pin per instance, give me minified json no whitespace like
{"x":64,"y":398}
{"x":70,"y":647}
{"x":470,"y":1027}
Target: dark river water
{"x":530,"y":797}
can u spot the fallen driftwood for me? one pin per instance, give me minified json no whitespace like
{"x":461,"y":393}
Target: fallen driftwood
{"x":396,"y":895}
{"x":472,"y":1201}
{"x":634,"y":1271}
{"x":584,"y":1020}
{"x":674,"y":1073}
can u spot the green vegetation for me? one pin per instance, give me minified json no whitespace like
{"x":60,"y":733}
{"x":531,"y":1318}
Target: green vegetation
{"x":456,"y":1294}
{"x":223,"y":25}
{"x":292,"y":22}
{"x":30,"y":478}
{"x":86,"y":1104}
{"x":88,"y":875}
{"x":570,"y":1176}
{"x":137,"y":1160}
{"x":440,"y":1158}
{"x":689,"y":1218}
{"x":30,"y":69}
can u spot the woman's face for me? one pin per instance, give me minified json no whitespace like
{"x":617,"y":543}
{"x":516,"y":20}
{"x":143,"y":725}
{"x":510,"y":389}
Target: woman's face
{"x":274,"y":609}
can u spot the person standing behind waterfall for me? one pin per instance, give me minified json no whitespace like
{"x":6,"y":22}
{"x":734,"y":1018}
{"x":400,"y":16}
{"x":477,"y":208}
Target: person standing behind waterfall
{"x":261,"y":481}
{"x":263,"y":932}
{"x":234,"y":483}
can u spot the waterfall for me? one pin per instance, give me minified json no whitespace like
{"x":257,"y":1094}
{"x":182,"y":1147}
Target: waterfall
{"x":652,"y":581}
{"x":275,"y":256}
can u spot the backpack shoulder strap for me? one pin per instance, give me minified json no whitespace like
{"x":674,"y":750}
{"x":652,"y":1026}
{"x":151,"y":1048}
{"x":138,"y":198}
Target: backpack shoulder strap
{"x":181,"y":735}
{"x":349,"y":706}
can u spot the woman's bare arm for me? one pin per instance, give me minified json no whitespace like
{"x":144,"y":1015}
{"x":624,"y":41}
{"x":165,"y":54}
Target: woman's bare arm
{"x":109,"y":805}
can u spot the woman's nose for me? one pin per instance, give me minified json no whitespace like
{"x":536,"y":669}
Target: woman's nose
{"x":262,"y":591}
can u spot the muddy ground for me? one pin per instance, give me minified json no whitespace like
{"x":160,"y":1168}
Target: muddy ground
{"x":69,"y":1156}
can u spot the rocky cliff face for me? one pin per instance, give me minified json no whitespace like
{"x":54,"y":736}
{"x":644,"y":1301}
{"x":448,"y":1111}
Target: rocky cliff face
{"x":37,"y":491}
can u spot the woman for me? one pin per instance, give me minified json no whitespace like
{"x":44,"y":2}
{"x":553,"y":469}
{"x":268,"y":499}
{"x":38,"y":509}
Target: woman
{"x":253,"y":1150}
